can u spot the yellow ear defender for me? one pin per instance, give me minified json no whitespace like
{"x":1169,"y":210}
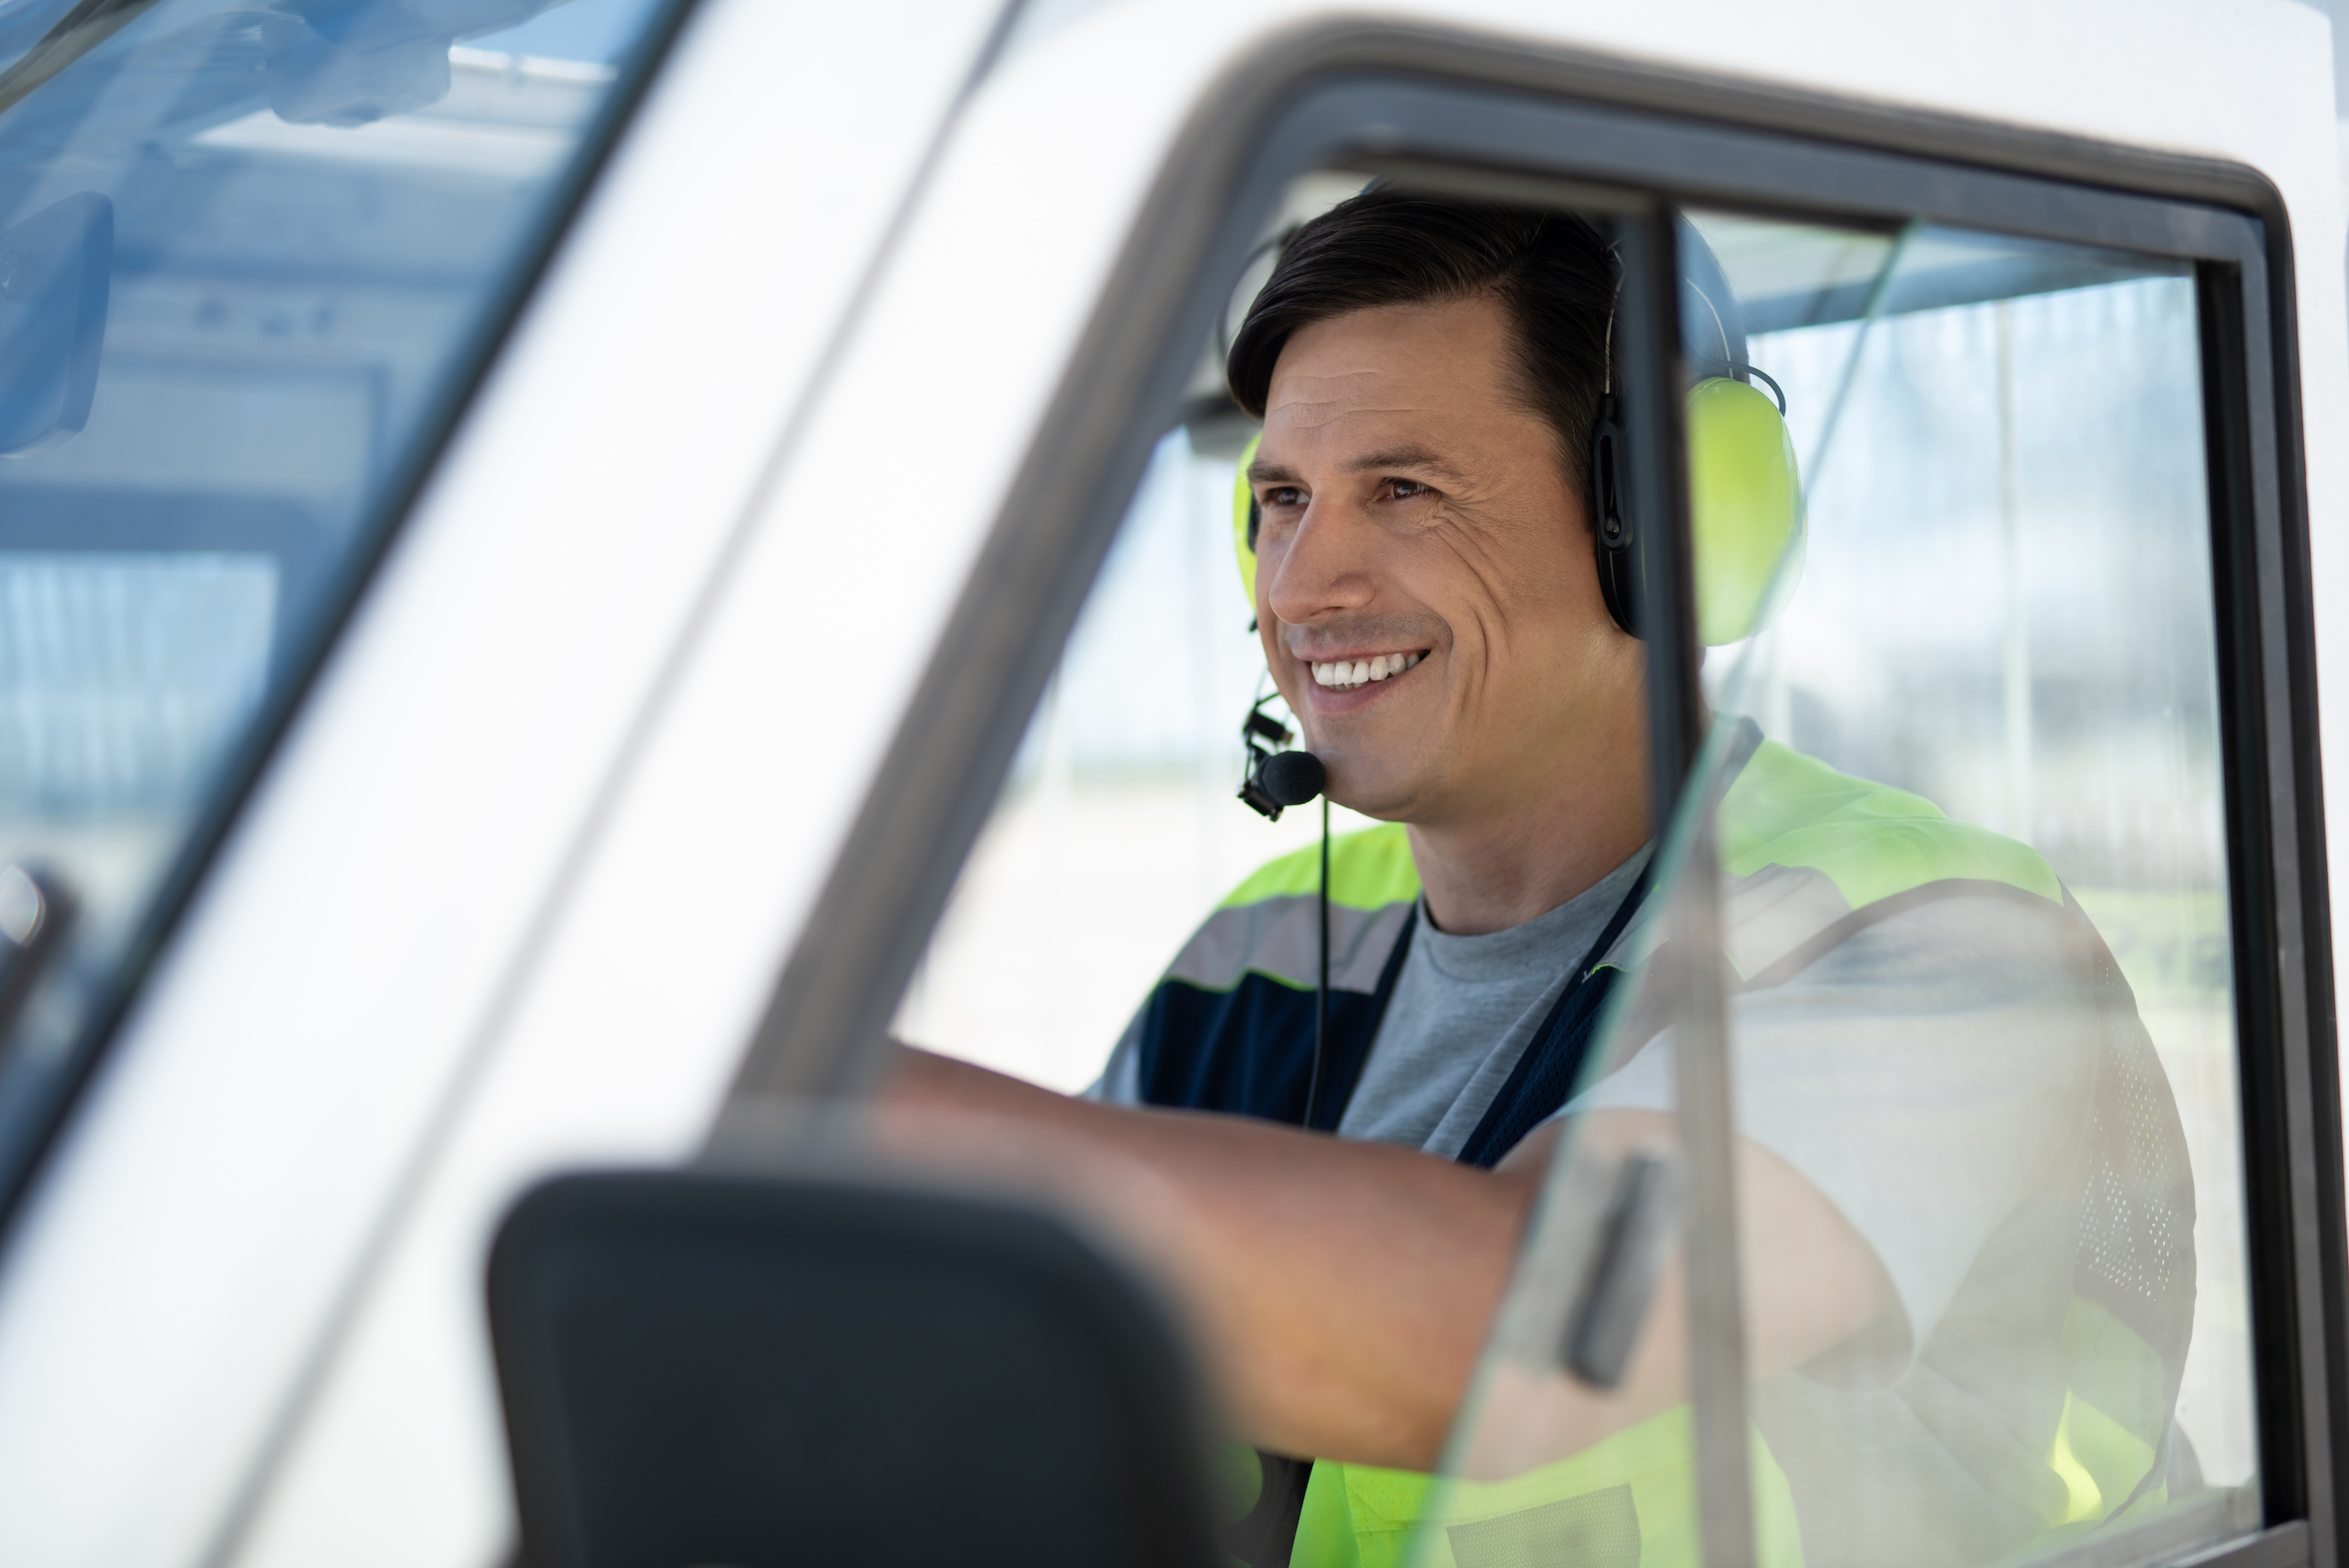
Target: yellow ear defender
{"x":1745,"y":512}
{"x":1745,"y":509}
{"x":1245,"y":515}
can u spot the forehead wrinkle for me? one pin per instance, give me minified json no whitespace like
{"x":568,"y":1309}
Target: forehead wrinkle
{"x":1317,"y":413}
{"x":1336,"y":380}
{"x":1363,"y":390}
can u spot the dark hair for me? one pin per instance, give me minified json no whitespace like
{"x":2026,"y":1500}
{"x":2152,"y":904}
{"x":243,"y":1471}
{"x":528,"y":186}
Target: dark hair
{"x":1549,"y":269}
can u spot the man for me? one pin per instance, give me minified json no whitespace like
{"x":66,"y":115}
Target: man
{"x":1929,"y":1042}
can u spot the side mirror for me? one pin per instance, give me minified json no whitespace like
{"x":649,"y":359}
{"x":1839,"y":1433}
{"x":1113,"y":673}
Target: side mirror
{"x":55,"y":269}
{"x":35,"y":914}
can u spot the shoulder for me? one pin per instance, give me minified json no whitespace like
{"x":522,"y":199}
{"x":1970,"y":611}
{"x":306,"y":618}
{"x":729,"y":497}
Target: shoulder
{"x":1872,"y":841}
{"x":1270,"y":925}
{"x":1231,"y":1025}
{"x":1815,"y":857}
{"x":1367,"y":868}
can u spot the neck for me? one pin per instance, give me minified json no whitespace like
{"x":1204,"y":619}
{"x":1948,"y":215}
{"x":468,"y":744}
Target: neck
{"x":1499,"y":867}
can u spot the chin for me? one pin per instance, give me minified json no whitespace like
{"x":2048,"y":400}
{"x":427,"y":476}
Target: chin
{"x":1380,"y":793}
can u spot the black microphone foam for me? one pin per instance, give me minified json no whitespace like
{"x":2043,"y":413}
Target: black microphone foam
{"x":1293,"y":778}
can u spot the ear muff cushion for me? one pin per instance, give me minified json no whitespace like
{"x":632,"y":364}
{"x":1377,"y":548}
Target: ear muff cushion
{"x":1243,"y":510}
{"x":1745,"y":509}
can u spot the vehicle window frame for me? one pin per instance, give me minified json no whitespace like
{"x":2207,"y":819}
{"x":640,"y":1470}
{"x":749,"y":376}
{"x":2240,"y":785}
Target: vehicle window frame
{"x":1638,"y":140}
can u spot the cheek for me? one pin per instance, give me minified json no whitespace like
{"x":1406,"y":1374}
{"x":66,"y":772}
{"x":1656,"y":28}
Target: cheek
{"x":1545,"y":570}
{"x":1461,"y":579}
{"x":1268,"y":570}
{"x":1270,"y":555}
{"x":1529,"y":601}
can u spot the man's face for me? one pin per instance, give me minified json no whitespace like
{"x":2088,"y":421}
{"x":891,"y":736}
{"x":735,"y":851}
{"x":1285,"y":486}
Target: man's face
{"x":1417,"y":519}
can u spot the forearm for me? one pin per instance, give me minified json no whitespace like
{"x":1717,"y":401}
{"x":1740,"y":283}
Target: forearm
{"x":1342,"y":1290}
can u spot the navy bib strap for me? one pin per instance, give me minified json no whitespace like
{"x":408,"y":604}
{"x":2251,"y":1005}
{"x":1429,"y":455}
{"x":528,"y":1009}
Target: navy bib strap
{"x":1545,"y":1073}
{"x":1249,"y":1052}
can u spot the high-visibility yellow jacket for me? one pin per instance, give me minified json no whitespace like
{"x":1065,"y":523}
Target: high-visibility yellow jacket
{"x":1811,"y":858}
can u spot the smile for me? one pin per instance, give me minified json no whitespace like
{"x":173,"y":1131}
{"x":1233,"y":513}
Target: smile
{"x":1345,"y":675}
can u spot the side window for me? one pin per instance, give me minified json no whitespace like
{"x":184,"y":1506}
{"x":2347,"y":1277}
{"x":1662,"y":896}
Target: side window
{"x":2010,"y":537}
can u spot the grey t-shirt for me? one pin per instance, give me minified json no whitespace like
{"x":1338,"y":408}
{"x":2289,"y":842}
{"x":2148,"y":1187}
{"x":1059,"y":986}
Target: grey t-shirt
{"x":1465,"y":1008}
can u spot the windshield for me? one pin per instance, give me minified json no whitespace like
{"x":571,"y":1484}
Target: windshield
{"x":250,"y":255}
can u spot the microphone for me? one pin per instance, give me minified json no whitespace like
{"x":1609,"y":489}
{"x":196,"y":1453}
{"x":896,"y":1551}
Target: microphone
{"x":1293,"y":778}
{"x":1275,"y":781}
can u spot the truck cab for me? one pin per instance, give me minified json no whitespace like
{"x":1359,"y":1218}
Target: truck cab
{"x":573,"y":573}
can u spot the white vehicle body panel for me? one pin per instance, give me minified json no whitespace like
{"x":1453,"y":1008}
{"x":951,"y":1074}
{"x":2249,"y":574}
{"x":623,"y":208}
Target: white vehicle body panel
{"x":515,"y":889}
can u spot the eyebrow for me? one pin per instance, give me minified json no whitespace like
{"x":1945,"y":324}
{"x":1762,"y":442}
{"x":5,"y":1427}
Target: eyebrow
{"x":1403,"y":457}
{"x":1420,"y":457}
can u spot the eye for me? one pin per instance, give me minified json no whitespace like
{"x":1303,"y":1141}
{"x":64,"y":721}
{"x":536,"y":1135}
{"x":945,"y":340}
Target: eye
{"x":1282,"y":495}
{"x":1403,"y":489}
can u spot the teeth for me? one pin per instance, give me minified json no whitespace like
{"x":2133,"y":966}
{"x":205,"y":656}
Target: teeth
{"x":1347,"y":673}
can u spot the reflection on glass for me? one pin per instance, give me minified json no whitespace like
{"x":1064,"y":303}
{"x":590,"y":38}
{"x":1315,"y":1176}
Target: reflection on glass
{"x":1955,"y":867}
{"x":246,"y":255}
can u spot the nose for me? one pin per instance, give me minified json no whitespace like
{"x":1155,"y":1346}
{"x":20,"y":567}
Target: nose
{"x":1323,"y":570}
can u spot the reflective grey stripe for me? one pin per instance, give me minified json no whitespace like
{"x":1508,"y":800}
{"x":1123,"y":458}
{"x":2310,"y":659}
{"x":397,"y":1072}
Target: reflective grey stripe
{"x":1765,"y":917}
{"x":1280,"y":937}
{"x":1121,"y":1078}
{"x":1776,"y":911}
{"x":1796,"y":959}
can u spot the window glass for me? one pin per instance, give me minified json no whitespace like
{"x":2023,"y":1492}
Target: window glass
{"x":246,"y":255}
{"x":2007,"y":612}
{"x":1942,"y":933}
{"x":1119,"y":828}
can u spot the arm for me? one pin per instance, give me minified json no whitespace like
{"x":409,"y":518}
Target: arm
{"x":1341,"y":1291}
